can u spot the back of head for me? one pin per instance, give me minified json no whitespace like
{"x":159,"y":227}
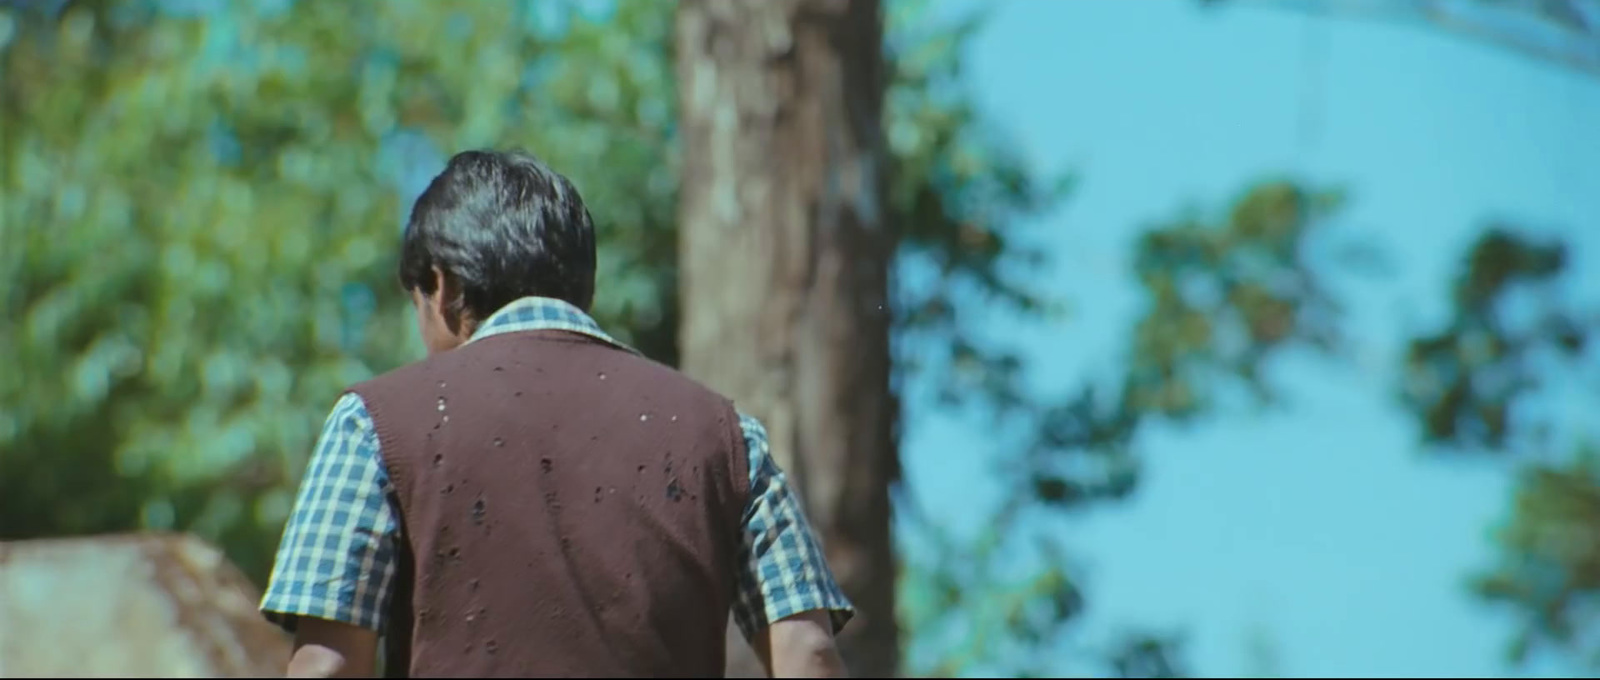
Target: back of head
{"x":500,"y":225}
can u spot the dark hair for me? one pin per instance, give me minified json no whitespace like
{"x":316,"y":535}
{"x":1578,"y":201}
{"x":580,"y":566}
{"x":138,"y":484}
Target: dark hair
{"x":501,"y":225}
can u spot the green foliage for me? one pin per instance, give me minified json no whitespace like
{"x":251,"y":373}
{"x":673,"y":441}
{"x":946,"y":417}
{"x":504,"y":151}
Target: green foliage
{"x":1549,"y":571}
{"x":261,"y":147}
{"x":201,"y":203}
{"x":1463,"y":382}
{"x":1147,"y":656}
{"x":1223,"y":297}
{"x":1472,"y":387}
{"x":959,"y":194}
{"x":159,"y":166}
{"x":1223,"y":294}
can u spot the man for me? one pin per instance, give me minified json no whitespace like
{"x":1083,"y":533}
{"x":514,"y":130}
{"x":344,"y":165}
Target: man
{"x":535,"y":499}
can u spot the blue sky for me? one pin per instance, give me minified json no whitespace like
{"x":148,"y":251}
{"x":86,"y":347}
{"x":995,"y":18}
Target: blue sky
{"x":1322,"y":527}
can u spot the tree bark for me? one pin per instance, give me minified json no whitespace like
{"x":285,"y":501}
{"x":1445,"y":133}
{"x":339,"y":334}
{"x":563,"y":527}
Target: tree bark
{"x":784,"y":259}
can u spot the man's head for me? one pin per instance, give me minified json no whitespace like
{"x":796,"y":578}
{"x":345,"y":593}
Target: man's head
{"x":493,"y":227}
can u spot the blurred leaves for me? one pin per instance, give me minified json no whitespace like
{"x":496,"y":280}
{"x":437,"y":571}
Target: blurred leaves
{"x":202,"y":199}
{"x":1473,"y":387}
{"x":158,"y":165}
{"x":1549,"y":567}
{"x":1221,"y":297}
{"x":1147,"y":656}
{"x":961,"y":194}
{"x":248,"y":164}
{"x":975,"y":610}
{"x":1464,"y":382}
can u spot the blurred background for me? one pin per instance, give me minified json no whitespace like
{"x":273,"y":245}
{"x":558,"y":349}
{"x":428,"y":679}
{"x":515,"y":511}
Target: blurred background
{"x":1212,"y":338}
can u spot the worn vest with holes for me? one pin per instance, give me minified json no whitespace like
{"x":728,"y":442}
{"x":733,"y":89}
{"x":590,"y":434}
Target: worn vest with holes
{"x":569,"y":509}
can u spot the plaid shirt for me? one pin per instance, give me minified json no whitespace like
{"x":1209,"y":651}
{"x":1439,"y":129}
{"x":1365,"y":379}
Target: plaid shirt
{"x":338,"y":554}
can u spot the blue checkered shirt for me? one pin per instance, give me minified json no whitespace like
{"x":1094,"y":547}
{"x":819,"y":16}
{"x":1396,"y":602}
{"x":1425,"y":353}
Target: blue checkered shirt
{"x":338,"y":554}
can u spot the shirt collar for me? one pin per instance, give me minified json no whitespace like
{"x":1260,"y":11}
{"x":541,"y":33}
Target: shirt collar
{"x":543,"y":314}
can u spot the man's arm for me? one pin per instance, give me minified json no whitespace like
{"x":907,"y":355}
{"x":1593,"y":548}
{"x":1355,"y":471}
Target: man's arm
{"x":329,"y":649}
{"x":788,"y":604}
{"x":332,"y":577}
{"x":800,"y":646}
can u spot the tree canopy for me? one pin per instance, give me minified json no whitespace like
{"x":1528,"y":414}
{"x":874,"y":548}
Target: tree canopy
{"x":202,"y":201}
{"x":1515,"y":338}
{"x":197,"y":242}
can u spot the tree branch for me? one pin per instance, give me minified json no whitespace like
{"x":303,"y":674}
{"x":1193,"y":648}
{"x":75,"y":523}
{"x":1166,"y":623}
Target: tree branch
{"x":1570,"y":40}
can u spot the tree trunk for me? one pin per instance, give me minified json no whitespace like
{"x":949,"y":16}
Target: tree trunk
{"x":784,"y":260}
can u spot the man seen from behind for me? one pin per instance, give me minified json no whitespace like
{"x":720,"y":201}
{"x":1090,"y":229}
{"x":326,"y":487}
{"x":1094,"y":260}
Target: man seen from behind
{"x":534,"y":498}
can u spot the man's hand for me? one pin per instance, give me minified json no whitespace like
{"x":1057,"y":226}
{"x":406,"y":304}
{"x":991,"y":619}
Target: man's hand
{"x":800,"y":646}
{"x":328,"y":649}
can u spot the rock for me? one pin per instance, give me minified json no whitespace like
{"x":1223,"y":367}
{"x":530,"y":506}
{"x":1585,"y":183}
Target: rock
{"x":151,"y":605}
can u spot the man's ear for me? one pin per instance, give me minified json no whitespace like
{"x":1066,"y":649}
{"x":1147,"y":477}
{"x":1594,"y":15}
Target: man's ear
{"x":446,"y":301}
{"x":439,"y":300}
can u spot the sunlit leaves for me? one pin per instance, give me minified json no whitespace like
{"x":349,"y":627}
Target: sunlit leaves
{"x":202,"y":201}
{"x":1473,"y":386}
{"x":1147,"y":656}
{"x":977,"y":608}
{"x":1464,"y":383}
{"x":1223,"y":296}
{"x":961,"y":196}
{"x":199,"y":237}
{"x":1549,"y":567}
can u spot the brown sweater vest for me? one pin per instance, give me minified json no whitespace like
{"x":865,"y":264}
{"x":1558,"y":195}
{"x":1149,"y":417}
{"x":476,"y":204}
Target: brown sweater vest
{"x":569,"y":509}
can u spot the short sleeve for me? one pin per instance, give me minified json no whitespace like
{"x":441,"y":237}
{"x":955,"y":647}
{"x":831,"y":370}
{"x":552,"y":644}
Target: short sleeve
{"x":782,"y":568}
{"x":336,"y":560}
